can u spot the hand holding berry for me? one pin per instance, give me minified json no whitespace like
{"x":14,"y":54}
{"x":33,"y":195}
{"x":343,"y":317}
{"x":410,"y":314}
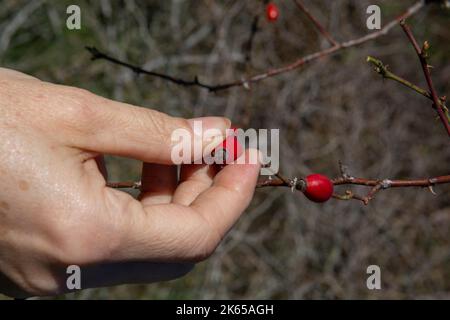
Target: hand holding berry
{"x":229,"y":150}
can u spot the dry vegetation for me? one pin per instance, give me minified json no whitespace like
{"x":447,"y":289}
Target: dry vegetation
{"x":336,"y":109}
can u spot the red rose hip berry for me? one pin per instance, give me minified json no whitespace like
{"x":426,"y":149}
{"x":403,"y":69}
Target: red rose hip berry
{"x":229,"y":150}
{"x":318,"y":188}
{"x":272,"y":12}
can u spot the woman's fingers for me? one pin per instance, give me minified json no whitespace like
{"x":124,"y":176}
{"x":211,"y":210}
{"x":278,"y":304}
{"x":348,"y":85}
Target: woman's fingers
{"x":231,"y":192}
{"x":111,"y":127}
{"x":194,"y":179}
{"x":159,"y":182}
{"x":92,"y":123}
{"x":175,"y":232}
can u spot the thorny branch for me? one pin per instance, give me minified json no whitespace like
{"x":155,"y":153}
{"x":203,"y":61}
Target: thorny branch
{"x":422,"y":53}
{"x":98,"y":55}
{"x":378,"y":185}
{"x":383,"y":70}
{"x":345,"y":179}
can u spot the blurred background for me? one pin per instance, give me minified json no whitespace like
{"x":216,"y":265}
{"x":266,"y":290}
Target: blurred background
{"x":284,"y":246}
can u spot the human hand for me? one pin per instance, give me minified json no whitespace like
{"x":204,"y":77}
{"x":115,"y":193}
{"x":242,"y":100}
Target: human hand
{"x":55,"y":207}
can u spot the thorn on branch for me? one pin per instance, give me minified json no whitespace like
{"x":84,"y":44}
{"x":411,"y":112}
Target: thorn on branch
{"x":343,"y":169}
{"x":98,"y":55}
{"x":432,"y":190}
{"x":293,"y":184}
{"x":345,"y":179}
{"x":95,"y":54}
{"x":382,"y":184}
{"x":425,"y":48}
{"x":383,"y":70}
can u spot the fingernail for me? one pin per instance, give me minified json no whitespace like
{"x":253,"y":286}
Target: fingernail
{"x":200,"y":125}
{"x":208,"y":131}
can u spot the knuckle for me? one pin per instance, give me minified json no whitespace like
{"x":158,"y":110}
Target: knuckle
{"x":160,"y":124}
{"x":79,"y":108}
{"x":82,"y":106}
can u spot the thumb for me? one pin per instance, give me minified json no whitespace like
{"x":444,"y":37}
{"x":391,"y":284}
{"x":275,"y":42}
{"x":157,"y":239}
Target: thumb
{"x":121,"y":129}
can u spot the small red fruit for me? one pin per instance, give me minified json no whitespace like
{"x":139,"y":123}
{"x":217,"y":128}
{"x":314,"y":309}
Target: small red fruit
{"x":318,"y":188}
{"x":229,"y":150}
{"x":272,"y":12}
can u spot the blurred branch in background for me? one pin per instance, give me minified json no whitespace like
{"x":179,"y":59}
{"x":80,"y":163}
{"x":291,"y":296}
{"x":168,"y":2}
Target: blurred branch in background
{"x":316,"y":23}
{"x":98,"y":55}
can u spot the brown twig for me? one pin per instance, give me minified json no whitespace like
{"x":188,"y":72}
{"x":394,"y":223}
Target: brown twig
{"x":316,"y":23}
{"x":387,"y":183}
{"x":375,"y":184}
{"x":378,"y":185}
{"x":124,"y":185}
{"x":345,"y":179}
{"x":383,"y":70}
{"x":422,"y":53}
{"x":97,"y":55}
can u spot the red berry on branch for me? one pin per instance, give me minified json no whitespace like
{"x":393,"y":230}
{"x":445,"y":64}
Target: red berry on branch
{"x":318,"y":188}
{"x":272,"y":12}
{"x":229,"y":150}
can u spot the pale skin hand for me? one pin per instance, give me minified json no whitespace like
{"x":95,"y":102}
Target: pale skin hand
{"x":56,"y":211}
